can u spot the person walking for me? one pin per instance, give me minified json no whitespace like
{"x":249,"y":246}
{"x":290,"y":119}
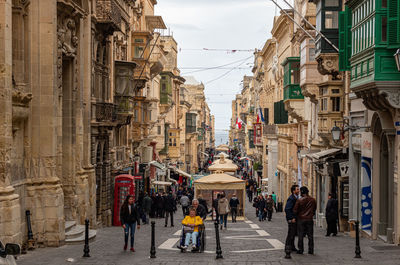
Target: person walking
{"x":223,"y":210}
{"x":255,"y":201}
{"x":147,"y":201}
{"x":305,"y":210}
{"x":269,"y":206}
{"x":185,"y":202}
{"x":129,"y":216}
{"x":215,"y":206}
{"x":233,"y":204}
{"x":274,"y":198}
{"x":331,"y":215}
{"x":170,"y":205}
{"x":291,"y":220}
{"x":260,"y":207}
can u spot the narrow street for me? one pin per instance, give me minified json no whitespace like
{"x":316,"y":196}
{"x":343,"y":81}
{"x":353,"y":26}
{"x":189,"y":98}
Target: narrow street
{"x":244,"y":242}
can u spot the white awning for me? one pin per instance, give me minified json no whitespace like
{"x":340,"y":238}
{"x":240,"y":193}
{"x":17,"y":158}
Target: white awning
{"x":181,"y":172}
{"x":165,"y":183}
{"x":264,"y":180}
{"x":324,"y":153}
{"x":157,"y":165}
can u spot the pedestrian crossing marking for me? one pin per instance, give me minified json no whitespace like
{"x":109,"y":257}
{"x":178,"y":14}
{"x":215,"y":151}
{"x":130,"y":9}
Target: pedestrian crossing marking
{"x":178,"y":233}
{"x":276,"y":243}
{"x":262,"y":233}
{"x":254,"y":226}
{"x":248,"y":222}
{"x":170,"y":244}
{"x":254,"y":250}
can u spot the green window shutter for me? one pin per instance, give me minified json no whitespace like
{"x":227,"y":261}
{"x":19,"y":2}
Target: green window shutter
{"x":344,"y":39}
{"x":393,"y":23}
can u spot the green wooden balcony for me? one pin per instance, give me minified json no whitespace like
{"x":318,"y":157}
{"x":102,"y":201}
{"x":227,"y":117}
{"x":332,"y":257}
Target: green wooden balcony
{"x":292,"y":92}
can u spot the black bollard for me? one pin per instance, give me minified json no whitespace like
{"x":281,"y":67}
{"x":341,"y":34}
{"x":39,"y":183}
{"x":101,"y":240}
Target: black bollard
{"x":86,"y":249}
{"x":358,"y":249}
{"x":219,"y":251}
{"x":31,"y":242}
{"x":153,"y":241}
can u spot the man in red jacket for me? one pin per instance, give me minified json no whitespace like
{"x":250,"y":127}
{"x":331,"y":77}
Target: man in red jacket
{"x":304,"y":209}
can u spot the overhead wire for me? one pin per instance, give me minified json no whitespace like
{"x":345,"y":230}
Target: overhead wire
{"x":215,"y":67}
{"x":225,"y":74}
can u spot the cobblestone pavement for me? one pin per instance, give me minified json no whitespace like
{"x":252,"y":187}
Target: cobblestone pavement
{"x":248,"y":242}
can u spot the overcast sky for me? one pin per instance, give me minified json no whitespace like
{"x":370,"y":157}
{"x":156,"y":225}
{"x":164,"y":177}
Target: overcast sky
{"x":218,"y":24}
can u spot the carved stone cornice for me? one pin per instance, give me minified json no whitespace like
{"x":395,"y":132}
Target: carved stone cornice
{"x":380,"y":95}
{"x":328,"y":64}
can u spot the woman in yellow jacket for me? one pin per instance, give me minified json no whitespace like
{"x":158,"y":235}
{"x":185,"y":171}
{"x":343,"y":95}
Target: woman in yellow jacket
{"x":191,"y":225}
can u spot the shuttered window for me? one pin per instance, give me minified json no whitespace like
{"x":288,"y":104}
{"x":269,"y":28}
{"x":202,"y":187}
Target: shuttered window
{"x":345,"y":39}
{"x":393,"y":23}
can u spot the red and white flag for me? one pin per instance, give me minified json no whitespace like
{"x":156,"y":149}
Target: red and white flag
{"x":239,"y":123}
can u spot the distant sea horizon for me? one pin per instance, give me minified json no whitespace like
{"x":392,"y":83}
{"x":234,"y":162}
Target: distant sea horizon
{"x":221,"y":137}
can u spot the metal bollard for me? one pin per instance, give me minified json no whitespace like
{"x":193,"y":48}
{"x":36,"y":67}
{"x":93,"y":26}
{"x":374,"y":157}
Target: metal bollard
{"x":31,"y":242}
{"x":218,"y":251}
{"x":86,"y":249}
{"x":358,"y":249}
{"x":153,"y":241}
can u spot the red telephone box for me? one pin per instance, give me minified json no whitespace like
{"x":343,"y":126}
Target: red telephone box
{"x":124,"y":186}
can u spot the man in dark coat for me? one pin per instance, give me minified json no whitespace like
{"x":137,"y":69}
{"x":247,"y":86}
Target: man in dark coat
{"x":261,"y":208}
{"x":147,"y":202}
{"x":269,"y":206}
{"x":291,"y":220}
{"x":160,"y":205}
{"x":305,"y":210}
{"x":200,"y":210}
{"x":169,"y":206}
{"x":202,"y":202}
{"x":234,"y":204}
{"x":331,"y":215}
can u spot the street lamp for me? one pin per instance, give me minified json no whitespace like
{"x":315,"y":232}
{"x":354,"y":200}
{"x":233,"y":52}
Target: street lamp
{"x":336,"y":131}
{"x":397,"y":59}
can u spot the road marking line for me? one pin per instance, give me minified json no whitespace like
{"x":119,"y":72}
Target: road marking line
{"x":262,"y":233}
{"x":248,"y":222}
{"x":253,"y":250}
{"x":243,"y":229}
{"x":254,"y":226}
{"x":178,"y":233}
{"x":276,"y":243}
{"x":169,"y":244}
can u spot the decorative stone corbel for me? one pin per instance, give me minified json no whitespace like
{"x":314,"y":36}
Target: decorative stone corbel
{"x":328,"y":64}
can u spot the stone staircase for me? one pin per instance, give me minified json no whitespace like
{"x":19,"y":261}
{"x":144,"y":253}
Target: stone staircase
{"x":75,"y":234}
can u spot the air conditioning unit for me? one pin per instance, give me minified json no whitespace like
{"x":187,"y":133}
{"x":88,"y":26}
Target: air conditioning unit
{"x":147,"y":154}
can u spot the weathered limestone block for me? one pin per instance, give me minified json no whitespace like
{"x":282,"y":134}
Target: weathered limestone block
{"x":45,"y":200}
{"x":10,"y":217}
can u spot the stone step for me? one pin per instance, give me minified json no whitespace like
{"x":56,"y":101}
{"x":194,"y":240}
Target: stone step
{"x":69,"y":225}
{"x":75,"y":232}
{"x":81,"y":239}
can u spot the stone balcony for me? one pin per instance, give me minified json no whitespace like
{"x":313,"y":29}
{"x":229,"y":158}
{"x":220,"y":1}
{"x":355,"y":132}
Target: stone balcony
{"x":105,"y":112}
{"x":108,"y":14}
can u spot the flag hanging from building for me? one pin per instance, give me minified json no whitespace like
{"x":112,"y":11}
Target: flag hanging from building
{"x":260,"y":117}
{"x":239,"y":123}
